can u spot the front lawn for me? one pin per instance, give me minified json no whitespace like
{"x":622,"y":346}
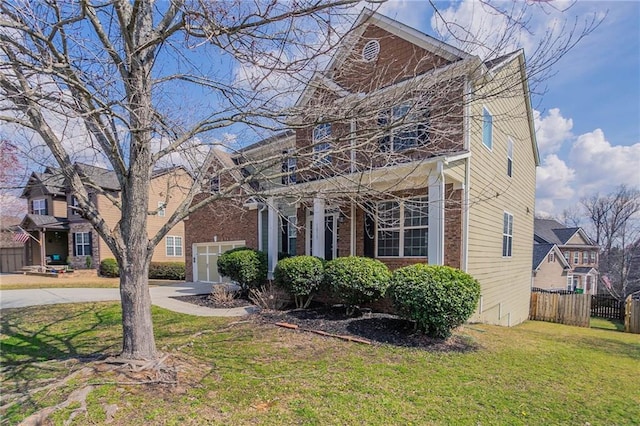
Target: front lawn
{"x":233,"y":371}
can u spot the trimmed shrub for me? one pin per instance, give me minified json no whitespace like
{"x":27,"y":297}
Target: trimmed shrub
{"x":109,"y":268}
{"x":167,"y":270}
{"x":300,"y":276}
{"x":356,"y":280}
{"x":224,"y":263}
{"x":247,"y":267}
{"x":437,"y":298}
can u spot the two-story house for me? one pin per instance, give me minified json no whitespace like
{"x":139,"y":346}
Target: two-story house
{"x":564,"y":258}
{"x":405,"y":149}
{"x":61,"y":234}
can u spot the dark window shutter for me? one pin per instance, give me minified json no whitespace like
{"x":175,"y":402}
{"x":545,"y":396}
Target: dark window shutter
{"x":74,"y":244}
{"x":90,"y":243}
{"x":46,"y":206}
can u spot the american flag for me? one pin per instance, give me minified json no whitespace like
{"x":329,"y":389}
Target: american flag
{"x":21,"y":236}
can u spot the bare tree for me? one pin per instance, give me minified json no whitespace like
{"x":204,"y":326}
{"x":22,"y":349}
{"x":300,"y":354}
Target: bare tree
{"x":10,"y":180}
{"x":614,"y":220}
{"x":145,"y":84}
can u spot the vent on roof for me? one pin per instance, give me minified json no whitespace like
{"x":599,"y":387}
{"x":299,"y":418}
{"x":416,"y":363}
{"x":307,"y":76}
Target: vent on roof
{"x":370,"y":50}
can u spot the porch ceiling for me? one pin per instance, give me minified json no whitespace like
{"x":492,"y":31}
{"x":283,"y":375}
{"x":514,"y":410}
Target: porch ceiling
{"x":385,"y":179}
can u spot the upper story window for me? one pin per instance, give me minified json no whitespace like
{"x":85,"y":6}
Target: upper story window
{"x":408,"y":129}
{"x":576,"y":257}
{"x":593,"y":257}
{"x":507,"y":234}
{"x":214,"y":184}
{"x":162,"y":208}
{"x":75,"y":207}
{"x":567,"y":255}
{"x":487,"y":128}
{"x":39,"y":206}
{"x":509,"y":157}
{"x":552,"y":257}
{"x":403,"y":228}
{"x":289,"y":166}
{"x":321,"y":144}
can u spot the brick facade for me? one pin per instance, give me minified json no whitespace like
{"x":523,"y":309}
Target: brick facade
{"x":80,"y":262}
{"x":222,"y":220}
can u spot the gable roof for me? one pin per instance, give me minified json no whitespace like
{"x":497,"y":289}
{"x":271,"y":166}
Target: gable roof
{"x":553,"y":232}
{"x":541,"y":251}
{"x":52,"y":183}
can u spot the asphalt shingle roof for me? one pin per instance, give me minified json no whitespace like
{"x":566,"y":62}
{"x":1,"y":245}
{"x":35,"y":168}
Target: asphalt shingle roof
{"x":552,"y":232}
{"x":540,"y":252}
{"x":45,"y":221}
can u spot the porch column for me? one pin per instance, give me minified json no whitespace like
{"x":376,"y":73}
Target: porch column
{"x":43,"y":250}
{"x":273,"y":233}
{"x":436,"y":218}
{"x":317,"y":241}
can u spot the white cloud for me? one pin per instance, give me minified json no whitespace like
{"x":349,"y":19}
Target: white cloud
{"x":551,"y":130}
{"x":591,"y":165}
{"x":554,"y":185}
{"x":600,"y":166}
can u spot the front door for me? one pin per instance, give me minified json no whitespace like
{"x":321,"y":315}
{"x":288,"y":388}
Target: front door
{"x":330,"y":236}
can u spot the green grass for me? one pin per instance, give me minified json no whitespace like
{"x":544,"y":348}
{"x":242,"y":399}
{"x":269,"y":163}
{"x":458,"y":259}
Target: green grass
{"x":237,"y":374}
{"x":606,"y":324}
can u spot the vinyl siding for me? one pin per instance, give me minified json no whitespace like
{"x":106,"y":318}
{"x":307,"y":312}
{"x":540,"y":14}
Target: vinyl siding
{"x":550,"y":275}
{"x":505,"y":282}
{"x":176,"y":185}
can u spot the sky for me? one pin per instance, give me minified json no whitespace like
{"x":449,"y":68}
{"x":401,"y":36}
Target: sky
{"x":587,"y":113}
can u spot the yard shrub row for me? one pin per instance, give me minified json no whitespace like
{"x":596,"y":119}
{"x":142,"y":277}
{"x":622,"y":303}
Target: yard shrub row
{"x":157,"y":270}
{"x":245,"y":266}
{"x":437,"y":298}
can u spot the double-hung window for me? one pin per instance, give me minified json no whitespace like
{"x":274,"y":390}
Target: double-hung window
{"x":593,"y":257}
{"x":404,"y":128}
{"x":214,"y":184}
{"x":487,"y":128}
{"x":82,"y":243}
{"x":322,"y":144}
{"x":39,"y":206}
{"x":174,"y":245}
{"x":403,"y":228}
{"x":507,"y":234}
{"x":162,"y":208}
{"x":576,"y":257}
{"x":75,"y":207}
{"x":509,"y":157}
{"x":289,"y":166}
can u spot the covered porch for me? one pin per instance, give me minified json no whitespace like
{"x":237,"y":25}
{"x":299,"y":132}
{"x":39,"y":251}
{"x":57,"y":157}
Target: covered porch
{"x":404,"y":214}
{"x":49,"y":245}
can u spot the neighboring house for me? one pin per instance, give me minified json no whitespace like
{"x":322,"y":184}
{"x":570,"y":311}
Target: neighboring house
{"x":67,"y":238}
{"x":563,"y":258}
{"x":12,"y":256}
{"x":463,"y":194}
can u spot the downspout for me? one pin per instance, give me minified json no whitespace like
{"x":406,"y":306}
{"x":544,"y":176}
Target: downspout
{"x":352,"y":139}
{"x":465,"y":215}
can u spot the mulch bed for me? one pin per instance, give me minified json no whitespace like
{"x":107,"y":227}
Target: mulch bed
{"x":206,"y":300}
{"x":376,"y":327}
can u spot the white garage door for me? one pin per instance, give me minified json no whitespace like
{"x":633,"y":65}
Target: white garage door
{"x":205,"y":267}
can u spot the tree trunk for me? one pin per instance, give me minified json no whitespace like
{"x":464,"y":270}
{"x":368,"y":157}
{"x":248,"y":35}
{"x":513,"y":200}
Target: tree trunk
{"x":137,"y":324}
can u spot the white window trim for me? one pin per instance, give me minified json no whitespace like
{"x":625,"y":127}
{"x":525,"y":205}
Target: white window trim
{"x":401,"y":228}
{"x":82,"y":244}
{"x":42,"y":208}
{"x":484,"y":108}
{"x":322,"y":156}
{"x":75,"y":207}
{"x":509,"y":156}
{"x":509,"y":254}
{"x":415,"y":114}
{"x":174,"y":245}
{"x":292,"y":232}
{"x":162,"y":209}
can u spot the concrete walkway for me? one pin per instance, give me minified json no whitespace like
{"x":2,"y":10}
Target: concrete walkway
{"x":160,"y":296}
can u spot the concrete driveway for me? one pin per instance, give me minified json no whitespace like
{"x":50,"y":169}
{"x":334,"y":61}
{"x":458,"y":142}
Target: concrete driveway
{"x":160,"y":296}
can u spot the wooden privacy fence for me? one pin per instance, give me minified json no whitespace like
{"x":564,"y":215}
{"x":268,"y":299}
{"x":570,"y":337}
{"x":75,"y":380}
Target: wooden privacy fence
{"x":632,"y":316}
{"x":569,"y":309}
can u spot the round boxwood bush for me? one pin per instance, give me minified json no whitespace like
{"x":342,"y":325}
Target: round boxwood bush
{"x":437,"y":298}
{"x":109,"y":268}
{"x":300,"y":276}
{"x":356,"y":280}
{"x":247,"y":267}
